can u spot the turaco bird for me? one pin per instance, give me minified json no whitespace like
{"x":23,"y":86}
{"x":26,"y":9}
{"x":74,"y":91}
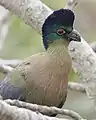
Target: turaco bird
{"x":43,"y":78}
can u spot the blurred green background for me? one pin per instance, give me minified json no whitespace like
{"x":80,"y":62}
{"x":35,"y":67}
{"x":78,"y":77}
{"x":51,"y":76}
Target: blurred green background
{"x":23,"y":41}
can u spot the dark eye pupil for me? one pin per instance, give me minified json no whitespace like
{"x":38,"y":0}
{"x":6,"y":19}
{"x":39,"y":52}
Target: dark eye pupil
{"x":60,"y":31}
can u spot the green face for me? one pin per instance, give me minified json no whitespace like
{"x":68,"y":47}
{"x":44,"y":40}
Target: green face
{"x":58,"y":32}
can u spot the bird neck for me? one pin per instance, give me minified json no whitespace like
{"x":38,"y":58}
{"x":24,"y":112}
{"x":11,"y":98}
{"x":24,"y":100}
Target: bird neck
{"x":58,"y":53}
{"x":60,"y":60}
{"x":58,"y":47}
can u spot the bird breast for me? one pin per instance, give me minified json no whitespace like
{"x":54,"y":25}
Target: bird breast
{"x":46,"y":83}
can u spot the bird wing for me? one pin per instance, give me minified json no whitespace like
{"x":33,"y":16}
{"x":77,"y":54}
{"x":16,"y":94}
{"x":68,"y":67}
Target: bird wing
{"x":12,"y":87}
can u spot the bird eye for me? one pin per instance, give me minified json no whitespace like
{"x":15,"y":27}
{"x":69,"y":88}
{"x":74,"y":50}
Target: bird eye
{"x":60,"y":31}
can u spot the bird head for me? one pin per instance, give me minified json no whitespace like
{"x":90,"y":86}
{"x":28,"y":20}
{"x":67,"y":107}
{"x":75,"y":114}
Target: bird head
{"x":58,"y":26}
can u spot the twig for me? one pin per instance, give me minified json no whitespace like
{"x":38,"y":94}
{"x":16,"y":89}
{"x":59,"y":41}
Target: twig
{"x":93,"y":46}
{"x":5,"y":69}
{"x":76,"y":87}
{"x":8,"y":65}
{"x":44,"y":109}
{"x":71,"y":4}
{"x":11,"y":63}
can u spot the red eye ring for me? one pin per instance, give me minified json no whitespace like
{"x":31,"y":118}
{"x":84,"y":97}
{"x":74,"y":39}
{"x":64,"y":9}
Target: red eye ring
{"x":60,"y":31}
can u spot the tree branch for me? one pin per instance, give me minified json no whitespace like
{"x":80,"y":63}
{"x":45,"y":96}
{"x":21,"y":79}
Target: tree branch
{"x":84,"y":63}
{"x":31,"y":111}
{"x":76,"y":87}
{"x":93,"y":46}
{"x":8,"y":65}
{"x":11,"y":63}
{"x":8,"y":112}
{"x":5,"y":69}
{"x":33,"y":12}
{"x":71,"y":4}
{"x":44,"y":109}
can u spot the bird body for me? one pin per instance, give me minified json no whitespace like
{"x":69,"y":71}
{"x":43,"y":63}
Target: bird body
{"x":46,"y":74}
{"x":43,"y":78}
